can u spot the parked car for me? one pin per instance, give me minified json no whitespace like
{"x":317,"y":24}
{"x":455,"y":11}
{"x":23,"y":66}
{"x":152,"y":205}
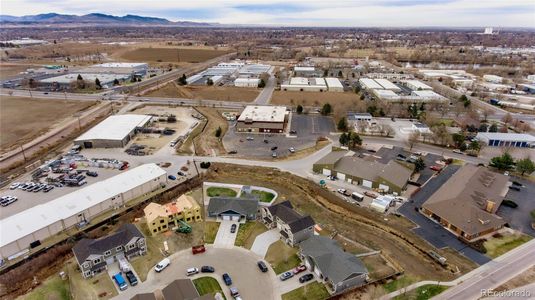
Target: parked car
{"x":514,"y":188}
{"x":458,"y":151}
{"x":293,"y":132}
{"x":402,"y":156}
{"x":234,"y":292}
{"x":436,"y":168}
{"x":291,"y":149}
{"x":227,"y":279}
{"x":192,"y":271}
{"x":300,"y":269}
{"x":343,"y":192}
{"x":332,"y":177}
{"x":119,"y":280}
{"x":14,"y":185}
{"x":207,"y":269}
{"x":233,"y":152}
{"x":266,"y":141}
{"x":262,"y":266}
{"x":370,"y":194}
{"x":516,"y":183}
{"x":274,"y":148}
{"x":286,"y":275}
{"x":162,"y":265}
{"x":198,"y":249}
{"x":171,"y":177}
{"x":274,"y":154}
{"x":131,"y":278}
{"x":250,"y":138}
{"x":48,"y":189}
{"x":233,"y":228}
{"x":91,"y":173}
{"x":305,"y":278}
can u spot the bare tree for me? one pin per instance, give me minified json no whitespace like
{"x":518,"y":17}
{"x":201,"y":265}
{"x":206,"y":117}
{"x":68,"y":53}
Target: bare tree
{"x":507,"y":118}
{"x":414,"y":137}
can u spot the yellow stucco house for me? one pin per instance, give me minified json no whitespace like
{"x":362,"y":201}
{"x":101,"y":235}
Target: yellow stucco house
{"x":164,"y":217}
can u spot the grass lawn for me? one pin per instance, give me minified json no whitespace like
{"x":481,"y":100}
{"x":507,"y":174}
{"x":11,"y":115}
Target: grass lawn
{"x":399,"y":283}
{"x":207,"y":285}
{"x":533,"y":215}
{"x":498,"y":246}
{"x":422,"y":293}
{"x":210,"y":231}
{"x":99,"y":287}
{"x":53,"y":288}
{"x":248,"y":232}
{"x":282,"y":257}
{"x":220,"y":192}
{"x":312,"y":291}
{"x":263,"y":196}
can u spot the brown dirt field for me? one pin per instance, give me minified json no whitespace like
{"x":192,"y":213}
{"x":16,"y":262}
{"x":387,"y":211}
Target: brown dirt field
{"x":207,"y":143}
{"x":80,"y":53}
{"x":393,"y":237}
{"x":22,"y":119}
{"x":522,"y":279}
{"x":10,"y":70}
{"x":340,"y":102}
{"x":172,"y":54}
{"x":220,"y":93}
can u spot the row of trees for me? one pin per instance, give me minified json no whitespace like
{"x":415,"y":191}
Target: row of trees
{"x":506,"y":162}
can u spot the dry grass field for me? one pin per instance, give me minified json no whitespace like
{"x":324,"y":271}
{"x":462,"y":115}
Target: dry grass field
{"x":22,"y":119}
{"x":341,"y":102}
{"x":172,"y":54}
{"x":10,"y":70}
{"x":220,"y":93}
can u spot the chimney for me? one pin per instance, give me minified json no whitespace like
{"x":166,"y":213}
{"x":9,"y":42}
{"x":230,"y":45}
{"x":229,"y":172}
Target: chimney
{"x":490,"y":206}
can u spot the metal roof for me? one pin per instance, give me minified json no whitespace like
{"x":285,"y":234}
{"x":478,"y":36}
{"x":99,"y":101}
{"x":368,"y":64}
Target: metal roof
{"x":517,"y":137}
{"x":40,"y":216}
{"x":264,"y":113}
{"x":115,"y":127}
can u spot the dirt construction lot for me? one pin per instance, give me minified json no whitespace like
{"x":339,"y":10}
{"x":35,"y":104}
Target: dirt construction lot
{"x":22,"y":119}
{"x":392,"y":236}
{"x":236,"y":94}
{"x":172,"y":54}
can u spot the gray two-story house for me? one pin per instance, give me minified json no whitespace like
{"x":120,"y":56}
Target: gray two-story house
{"x":94,"y":255}
{"x":293,"y":227}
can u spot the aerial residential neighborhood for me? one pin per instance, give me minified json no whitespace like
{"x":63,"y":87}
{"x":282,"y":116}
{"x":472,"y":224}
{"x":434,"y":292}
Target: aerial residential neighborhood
{"x":275,"y":150}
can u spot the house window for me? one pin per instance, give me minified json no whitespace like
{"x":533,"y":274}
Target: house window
{"x":85,"y":265}
{"x":154,"y":230}
{"x":96,"y":261}
{"x":161,"y":221}
{"x":107,"y":253}
{"x":120,"y":248}
{"x":88,"y":273}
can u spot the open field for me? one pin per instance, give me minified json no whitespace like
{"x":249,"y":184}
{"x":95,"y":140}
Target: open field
{"x":206,"y":143}
{"x":311,"y":291}
{"x":248,"y":232}
{"x":282,"y":257}
{"x":422,"y":293}
{"x":340,"y":102}
{"x":210,"y":231}
{"x":220,"y":93}
{"x":207,"y":285}
{"x":393,"y":236}
{"x":10,"y":70}
{"x":22,"y":119}
{"x":378,"y":267}
{"x":172,"y":54}
{"x":54,"y":288}
{"x":497,"y":246}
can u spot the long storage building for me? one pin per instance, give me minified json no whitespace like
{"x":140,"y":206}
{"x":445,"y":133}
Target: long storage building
{"x":19,"y":232}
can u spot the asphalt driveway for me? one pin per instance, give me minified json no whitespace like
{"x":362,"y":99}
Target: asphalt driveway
{"x":224,"y":238}
{"x":431,"y":231}
{"x":263,"y":241}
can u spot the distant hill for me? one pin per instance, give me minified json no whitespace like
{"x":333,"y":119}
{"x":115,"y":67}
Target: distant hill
{"x":95,"y":19}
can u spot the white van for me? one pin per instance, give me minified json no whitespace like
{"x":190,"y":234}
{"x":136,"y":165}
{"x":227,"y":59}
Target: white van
{"x":357,"y":196}
{"x":162,"y":265}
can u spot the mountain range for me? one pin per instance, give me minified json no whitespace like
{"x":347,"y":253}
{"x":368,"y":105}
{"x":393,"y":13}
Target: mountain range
{"x":94,"y":19}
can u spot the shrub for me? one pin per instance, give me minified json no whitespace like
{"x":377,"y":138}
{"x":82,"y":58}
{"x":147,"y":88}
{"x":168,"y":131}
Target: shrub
{"x":205,"y":165}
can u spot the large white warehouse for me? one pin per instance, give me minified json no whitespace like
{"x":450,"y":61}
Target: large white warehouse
{"x":40,"y":222}
{"x":114,"y":132}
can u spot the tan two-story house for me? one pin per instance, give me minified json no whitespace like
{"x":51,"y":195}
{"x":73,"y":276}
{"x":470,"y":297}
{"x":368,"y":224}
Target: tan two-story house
{"x":293,"y":227}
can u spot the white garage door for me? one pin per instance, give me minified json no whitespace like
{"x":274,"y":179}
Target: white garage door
{"x":367,"y":183}
{"x":341,"y":176}
{"x":350,"y":180}
{"x":384,"y":187}
{"x":235,"y":218}
{"x":226,"y":218}
{"x":326,"y":172}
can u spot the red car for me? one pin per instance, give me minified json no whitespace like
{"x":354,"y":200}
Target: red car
{"x":435,"y":168}
{"x":300,"y":269}
{"x":198,"y":249}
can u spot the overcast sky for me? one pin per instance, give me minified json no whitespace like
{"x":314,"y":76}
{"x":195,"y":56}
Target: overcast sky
{"x":384,"y":13}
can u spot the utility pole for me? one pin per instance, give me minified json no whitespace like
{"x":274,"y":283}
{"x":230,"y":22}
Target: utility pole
{"x":30,"y":91}
{"x":23,"y":155}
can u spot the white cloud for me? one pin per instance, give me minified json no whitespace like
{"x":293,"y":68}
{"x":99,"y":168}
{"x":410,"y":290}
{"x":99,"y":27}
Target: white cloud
{"x":498,"y":13}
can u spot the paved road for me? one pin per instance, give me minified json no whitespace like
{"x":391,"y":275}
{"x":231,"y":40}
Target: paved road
{"x":265,"y":96}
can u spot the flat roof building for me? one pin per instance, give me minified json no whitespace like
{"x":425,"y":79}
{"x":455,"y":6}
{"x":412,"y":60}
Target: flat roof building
{"x":247,"y":82}
{"x":334,"y":84}
{"x":257,"y":118}
{"x":427,"y":95}
{"x":467,"y":203}
{"x":114,"y":132}
{"x":42,"y":221}
{"x":386,"y":94}
{"x":493,"y":78}
{"x":388,"y":85}
{"x":417,"y":85}
{"x":106,"y":79}
{"x":499,"y":139}
{"x":370,"y":84}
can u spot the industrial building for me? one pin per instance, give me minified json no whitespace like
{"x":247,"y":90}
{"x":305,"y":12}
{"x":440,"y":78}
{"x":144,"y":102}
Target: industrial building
{"x":390,"y":76}
{"x":416,"y":85}
{"x":253,"y":70}
{"x":231,"y":70}
{"x":302,"y":84}
{"x":334,"y":85}
{"x":493,"y":78}
{"x":114,"y":132}
{"x":20,"y":232}
{"x":256,"y":118}
{"x":164,"y":217}
{"x":370,"y":84}
{"x":307,"y":71}
{"x":499,"y":139}
{"x":466,"y":204}
{"x":132,"y":69}
{"x":388,"y":85}
{"x":386,"y":95}
{"x":65,"y":81}
{"x":247,"y":82}
{"x":428,"y":95}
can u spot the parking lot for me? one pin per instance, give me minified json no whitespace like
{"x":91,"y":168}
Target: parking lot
{"x":307,"y":127}
{"x":431,"y":231}
{"x":519,"y":218}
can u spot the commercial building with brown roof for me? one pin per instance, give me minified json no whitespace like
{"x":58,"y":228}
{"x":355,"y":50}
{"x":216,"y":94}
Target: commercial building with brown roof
{"x":467,"y":203}
{"x":390,"y":177}
{"x":164,"y":217}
